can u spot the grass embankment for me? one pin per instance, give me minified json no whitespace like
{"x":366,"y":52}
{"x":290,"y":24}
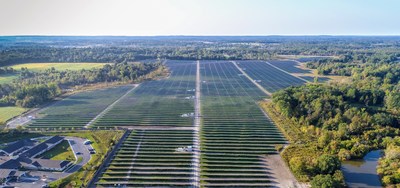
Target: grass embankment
{"x":102,"y":142}
{"x":8,"y":112}
{"x":62,"y":151}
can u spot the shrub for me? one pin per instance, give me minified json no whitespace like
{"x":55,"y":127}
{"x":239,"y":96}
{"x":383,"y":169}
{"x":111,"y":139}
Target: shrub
{"x":328,"y":164}
{"x":325,"y":181}
{"x":344,"y":154}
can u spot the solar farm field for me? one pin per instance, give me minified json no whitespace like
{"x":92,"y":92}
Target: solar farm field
{"x":235,"y":134}
{"x":289,"y":66}
{"x":77,"y":110}
{"x":271,"y":78}
{"x":167,"y":102}
{"x":151,"y":158}
{"x":162,"y":151}
{"x":292,"y":67}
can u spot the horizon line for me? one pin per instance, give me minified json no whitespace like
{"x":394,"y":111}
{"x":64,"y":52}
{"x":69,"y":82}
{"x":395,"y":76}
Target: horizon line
{"x":272,"y":35}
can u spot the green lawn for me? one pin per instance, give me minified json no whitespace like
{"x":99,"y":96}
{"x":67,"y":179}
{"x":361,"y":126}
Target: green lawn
{"x":58,"y":66}
{"x":8,"y":112}
{"x":61,"y":152}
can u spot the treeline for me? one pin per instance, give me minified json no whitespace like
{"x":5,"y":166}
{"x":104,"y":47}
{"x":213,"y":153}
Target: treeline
{"x":330,"y":107}
{"x":344,"y":65}
{"x":389,"y":164}
{"x":35,"y":88}
{"x":129,"y":49}
{"x":6,"y":70}
{"x":125,"y":54}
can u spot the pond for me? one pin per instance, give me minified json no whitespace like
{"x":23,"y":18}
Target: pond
{"x":362,"y":173}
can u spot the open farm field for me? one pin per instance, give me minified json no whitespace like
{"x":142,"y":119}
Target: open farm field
{"x":8,"y":112}
{"x":166,"y":102}
{"x":77,"y":110}
{"x":58,"y":66}
{"x":35,"y":67}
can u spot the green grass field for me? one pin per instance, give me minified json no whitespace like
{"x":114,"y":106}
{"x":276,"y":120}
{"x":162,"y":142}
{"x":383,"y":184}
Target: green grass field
{"x":9,"y":112}
{"x":58,"y":66}
{"x":61,"y":152}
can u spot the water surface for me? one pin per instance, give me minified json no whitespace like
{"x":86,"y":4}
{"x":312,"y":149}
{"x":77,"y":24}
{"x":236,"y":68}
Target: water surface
{"x":362,"y":173}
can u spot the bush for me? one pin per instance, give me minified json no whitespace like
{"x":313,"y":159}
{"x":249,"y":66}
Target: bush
{"x":298,"y":165}
{"x":279,"y":147}
{"x":325,"y":181}
{"x":328,"y":164}
{"x":344,"y":154}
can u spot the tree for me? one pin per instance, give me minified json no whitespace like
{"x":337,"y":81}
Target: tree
{"x":298,"y":165}
{"x":328,"y":164}
{"x":324,"y":181}
{"x":392,"y":102}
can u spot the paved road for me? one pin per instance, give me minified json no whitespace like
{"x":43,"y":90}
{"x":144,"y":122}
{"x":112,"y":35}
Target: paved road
{"x":24,"y":119}
{"x":77,"y":146}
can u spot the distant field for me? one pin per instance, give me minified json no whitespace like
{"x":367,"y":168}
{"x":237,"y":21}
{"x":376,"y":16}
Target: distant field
{"x":43,"y":66}
{"x":9,"y":112}
{"x":58,"y":66}
{"x":7,"y":78}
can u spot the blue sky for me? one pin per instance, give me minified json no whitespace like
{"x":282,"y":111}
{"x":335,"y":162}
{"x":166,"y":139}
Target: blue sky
{"x":199,"y":17}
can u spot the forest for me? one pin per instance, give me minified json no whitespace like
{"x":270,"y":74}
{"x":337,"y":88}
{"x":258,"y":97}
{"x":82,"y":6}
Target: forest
{"x":343,"y":120}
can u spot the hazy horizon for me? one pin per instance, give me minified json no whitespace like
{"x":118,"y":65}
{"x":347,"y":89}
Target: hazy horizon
{"x":199,"y":18}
